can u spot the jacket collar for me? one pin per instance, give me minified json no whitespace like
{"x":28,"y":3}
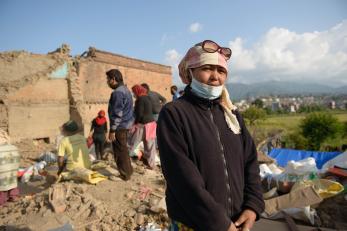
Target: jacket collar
{"x":201,"y":102}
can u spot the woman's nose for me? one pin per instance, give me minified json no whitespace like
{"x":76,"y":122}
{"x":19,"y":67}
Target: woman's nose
{"x":214,"y":74}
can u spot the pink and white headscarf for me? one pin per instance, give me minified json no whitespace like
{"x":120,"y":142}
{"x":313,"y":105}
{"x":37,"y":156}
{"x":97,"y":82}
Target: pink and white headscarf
{"x":197,"y":57}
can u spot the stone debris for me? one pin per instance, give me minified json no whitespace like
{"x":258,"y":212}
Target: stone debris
{"x":71,"y":203}
{"x":4,"y":138}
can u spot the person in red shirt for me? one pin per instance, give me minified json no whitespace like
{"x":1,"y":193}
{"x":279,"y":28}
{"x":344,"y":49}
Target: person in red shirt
{"x":98,"y":131}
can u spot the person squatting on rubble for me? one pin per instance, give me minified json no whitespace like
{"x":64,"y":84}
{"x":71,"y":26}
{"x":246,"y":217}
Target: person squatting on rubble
{"x":144,"y":128}
{"x":208,"y":157}
{"x":98,"y":132}
{"x":121,"y":116}
{"x":73,"y":148}
{"x":157,"y":100}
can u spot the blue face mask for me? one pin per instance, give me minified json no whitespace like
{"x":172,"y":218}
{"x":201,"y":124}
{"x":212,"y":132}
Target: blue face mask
{"x":206,"y":91}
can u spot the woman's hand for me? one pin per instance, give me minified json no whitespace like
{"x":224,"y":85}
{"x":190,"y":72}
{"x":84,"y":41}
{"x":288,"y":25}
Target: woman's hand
{"x":246,"y":220}
{"x":232,"y":227}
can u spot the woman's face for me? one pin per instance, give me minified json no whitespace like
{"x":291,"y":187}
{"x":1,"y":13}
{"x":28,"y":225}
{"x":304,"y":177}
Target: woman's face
{"x":213,"y":75}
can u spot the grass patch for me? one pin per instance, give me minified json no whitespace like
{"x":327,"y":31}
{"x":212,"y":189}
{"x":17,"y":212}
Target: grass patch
{"x":289,"y":123}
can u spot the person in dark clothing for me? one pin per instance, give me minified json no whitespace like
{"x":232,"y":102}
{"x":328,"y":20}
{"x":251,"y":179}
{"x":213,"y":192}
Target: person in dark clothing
{"x":174,"y":92}
{"x":208,"y":157}
{"x":157,"y":100}
{"x":98,"y":131}
{"x":121,"y":115}
{"x":144,"y":128}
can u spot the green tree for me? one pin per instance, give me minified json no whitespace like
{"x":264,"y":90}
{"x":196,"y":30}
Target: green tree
{"x":344,"y":129}
{"x":296,"y":140}
{"x":253,"y":113}
{"x":316,"y":127}
{"x":258,"y":103}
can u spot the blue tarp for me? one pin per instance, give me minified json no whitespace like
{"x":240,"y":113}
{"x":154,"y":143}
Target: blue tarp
{"x":282,"y":156}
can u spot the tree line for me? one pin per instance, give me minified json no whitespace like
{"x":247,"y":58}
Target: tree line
{"x":317,"y":127}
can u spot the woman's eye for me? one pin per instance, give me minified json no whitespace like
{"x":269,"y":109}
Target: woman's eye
{"x":221,"y":70}
{"x":207,"y":68}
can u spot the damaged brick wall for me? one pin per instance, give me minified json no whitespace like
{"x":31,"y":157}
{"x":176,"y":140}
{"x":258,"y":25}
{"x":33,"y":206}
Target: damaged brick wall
{"x":38,"y":110}
{"x":34,"y":105}
{"x":38,"y":93}
{"x":3,"y":117}
{"x":92,"y":79}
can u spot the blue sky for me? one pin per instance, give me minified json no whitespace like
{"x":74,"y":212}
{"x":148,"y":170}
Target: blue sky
{"x":290,"y":40}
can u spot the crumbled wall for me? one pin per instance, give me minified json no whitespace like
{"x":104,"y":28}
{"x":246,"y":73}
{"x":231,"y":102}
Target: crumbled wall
{"x":32,"y":104}
{"x":92,"y":79}
{"x":3,"y":117}
{"x":38,"y":93}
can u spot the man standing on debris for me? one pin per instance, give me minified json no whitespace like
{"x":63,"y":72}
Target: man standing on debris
{"x":121,"y":115}
{"x":208,"y":157}
{"x":74,"y":147}
{"x":157,"y":100}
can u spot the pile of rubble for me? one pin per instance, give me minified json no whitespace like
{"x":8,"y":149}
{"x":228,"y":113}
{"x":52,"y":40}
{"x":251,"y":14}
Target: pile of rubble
{"x":84,"y":212}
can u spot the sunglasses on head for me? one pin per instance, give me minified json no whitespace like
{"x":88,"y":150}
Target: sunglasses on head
{"x":212,"y":47}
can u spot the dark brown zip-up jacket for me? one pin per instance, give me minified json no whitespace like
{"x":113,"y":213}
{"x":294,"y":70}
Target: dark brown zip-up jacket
{"x":212,"y":174}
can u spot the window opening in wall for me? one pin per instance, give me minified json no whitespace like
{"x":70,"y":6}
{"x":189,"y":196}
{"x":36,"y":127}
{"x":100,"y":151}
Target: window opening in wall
{"x":41,"y":140}
{"x":61,"y":72}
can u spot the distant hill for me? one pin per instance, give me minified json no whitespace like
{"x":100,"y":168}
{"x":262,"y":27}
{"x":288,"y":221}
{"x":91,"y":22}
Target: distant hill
{"x":273,"y":88}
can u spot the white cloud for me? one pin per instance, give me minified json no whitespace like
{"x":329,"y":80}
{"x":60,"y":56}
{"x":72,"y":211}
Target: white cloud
{"x":172,"y":58}
{"x":284,"y":55}
{"x":195,"y":27}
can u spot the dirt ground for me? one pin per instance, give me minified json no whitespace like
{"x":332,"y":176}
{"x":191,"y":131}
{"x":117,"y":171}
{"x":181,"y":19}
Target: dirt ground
{"x":112,"y":204}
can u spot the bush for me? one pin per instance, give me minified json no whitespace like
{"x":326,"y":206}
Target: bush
{"x":295,"y":140}
{"x":316,"y":127}
{"x":344,"y":129}
{"x":252,"y":114}
{"x":258,"y":103}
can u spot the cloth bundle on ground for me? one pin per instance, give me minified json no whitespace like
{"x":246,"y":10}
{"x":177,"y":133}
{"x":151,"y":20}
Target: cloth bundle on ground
{"x":83,"y":174}
{"x":48,"y":157}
